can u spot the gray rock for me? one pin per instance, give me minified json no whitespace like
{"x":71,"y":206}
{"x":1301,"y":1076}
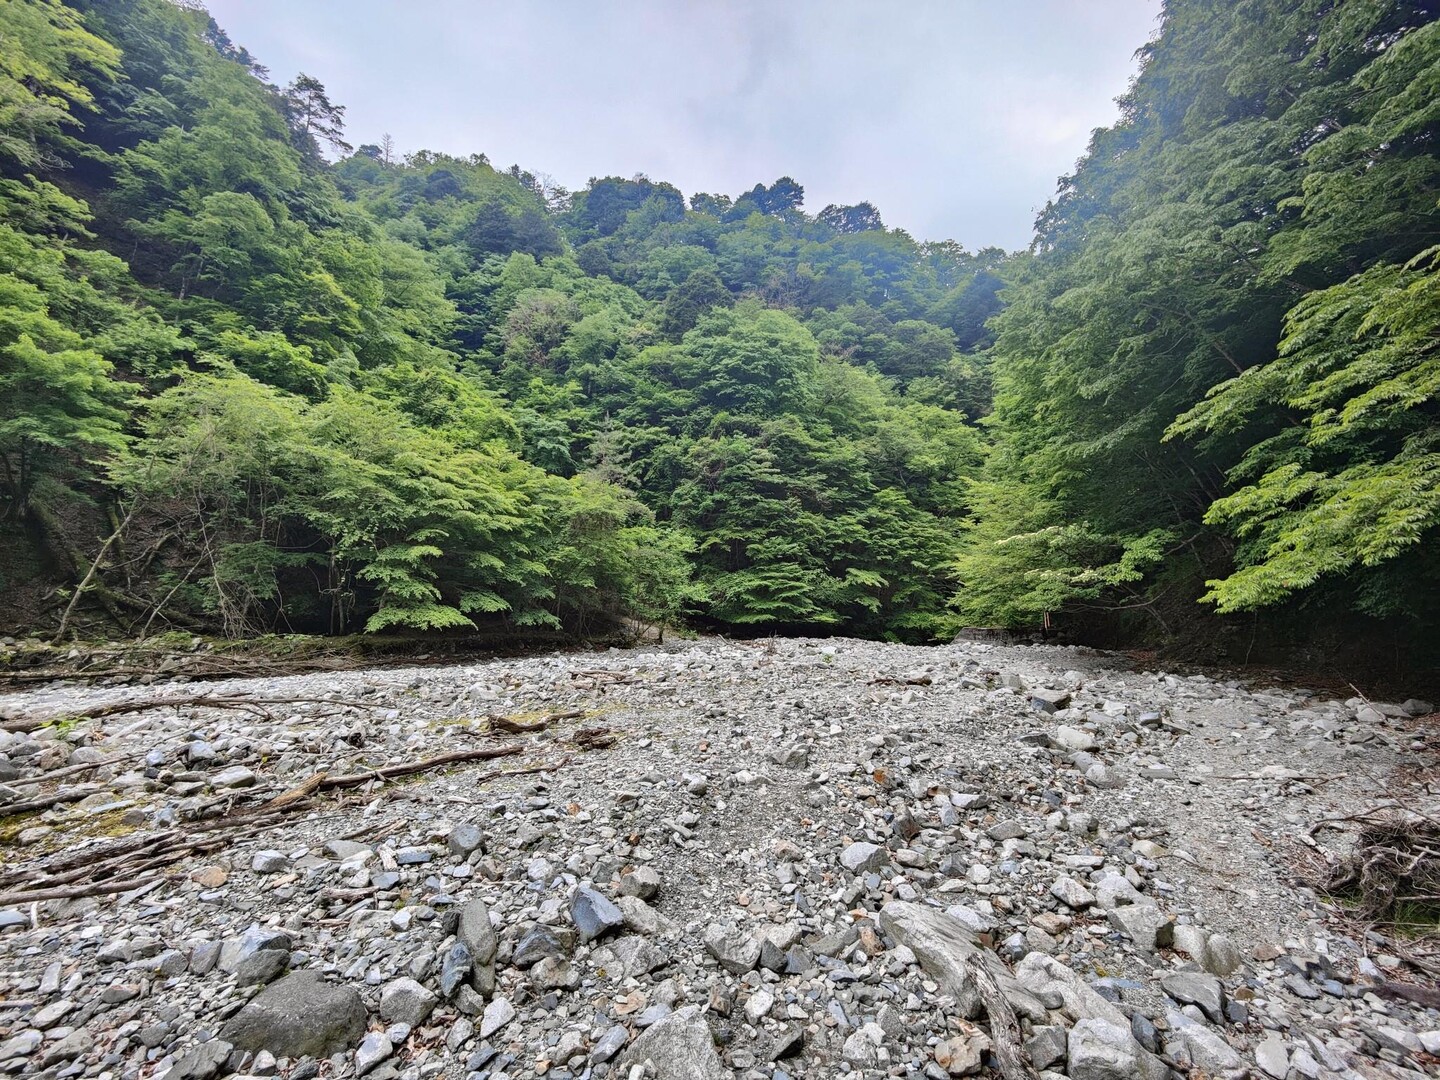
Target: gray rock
{"x":455,"y":968}
{"x":262,"y":967}
{"x":1046,"y":1045}
{"x":945,"y":948}
{"x":1046,"y":977}
{"x":21,"y":1045}
{"x":594,"y":914}
{"x":642,"y":882}
{"x":1113,"y":891}
{"x":474,"y":931}
{"x":237,"y":776}
{"x":679,"y":1047}
{"x":1193,"y":1042}
{"x":1006,"y":830}
{"x":1072,"y":738}
{"x":1103,"y":1050}
{"x":406,"y":1001}
{"x":737,"y":952}
{"x":790,"y":757}
{"x":861,"y":857}
{"x":1273,"y":1057}
{"x":537,"y":944}
{"x":300,"y":1015}
{"x":1216,"y":953}
{"x":642,"y":918}
{"x":609,"y":1044}
{"x":1197,"y":988}
{"x":1071,"y":893}
{"x":497,"y":1014}
{"x":1148,"y":927}
{"x":1049,"y":701}
{"x":464,"y":839}
{"x":255,"y":939}
{"x":76,"y":1044}
{"x":269,"y":861}
{"x":374,"y":1048}
{"x":202,"y":1061}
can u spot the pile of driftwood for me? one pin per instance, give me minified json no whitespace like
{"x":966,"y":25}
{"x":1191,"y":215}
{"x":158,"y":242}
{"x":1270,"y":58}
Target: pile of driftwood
{"x":1391,"y":877}
{"x":137,"y":863}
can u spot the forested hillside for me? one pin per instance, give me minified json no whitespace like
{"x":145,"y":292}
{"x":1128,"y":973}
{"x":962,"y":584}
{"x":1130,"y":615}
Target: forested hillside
{"x":254,"y":379}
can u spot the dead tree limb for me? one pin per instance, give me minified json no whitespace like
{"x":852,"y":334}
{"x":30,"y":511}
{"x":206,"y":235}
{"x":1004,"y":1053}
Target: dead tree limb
{"x":1004,"y":1027}
{"x":410,"y":768}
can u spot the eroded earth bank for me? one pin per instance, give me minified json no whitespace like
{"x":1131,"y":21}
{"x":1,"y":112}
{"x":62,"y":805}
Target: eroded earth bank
{"x":774,"y":859}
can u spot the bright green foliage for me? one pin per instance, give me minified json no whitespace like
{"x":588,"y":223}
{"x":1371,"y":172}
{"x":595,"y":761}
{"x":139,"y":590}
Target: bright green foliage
{"x":1227,"y":328}
{"x":1357,"y":481}
{"x":434,"y":395}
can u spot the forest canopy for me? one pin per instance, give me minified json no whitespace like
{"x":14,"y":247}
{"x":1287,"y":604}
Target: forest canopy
{"x":254,"y":377}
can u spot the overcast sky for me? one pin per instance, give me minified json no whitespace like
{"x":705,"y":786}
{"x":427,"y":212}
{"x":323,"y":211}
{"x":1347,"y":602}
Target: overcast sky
{"x":954,"y":117}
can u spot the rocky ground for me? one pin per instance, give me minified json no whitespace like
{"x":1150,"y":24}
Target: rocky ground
{"x":796,"y":859}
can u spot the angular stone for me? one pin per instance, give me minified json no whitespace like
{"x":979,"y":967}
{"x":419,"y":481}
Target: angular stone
{"x":464,"y":839}
{"x":679,"y":1047}
{"x":1193,"y":1042}
{"x":642,"y":882}
{"x":497,"y":1014}
{"x":1113,"y":891}
{"x":474,"y":931}
{"x":1071,"y":893}
{"x":537,"y":944}
{"x":455,"y":968}
{"x":1046,"y":1045}
{"x":202,"y":1061}
{"x":406,"y":1001}
{"x":262,"y":967}
{"x":594,"y":914}
{"x":1197,"y":988}
{"x":860,"y":857}
{"x":1044,"y":976}
{"x":374,"y":1049}
{"x":1148,"y":927}
{"x":1072,"y":738}
{"x":269,"y":861}
{"x":737,"y":952}
{"x":256,"y":938}
{"x":1104,"y":1050}
{"x":642,"y":918}
{"x":945,"y":948}
{"x":1273,"y":1057}
{"x":297,"y":1016}
{"x":237,"y":776}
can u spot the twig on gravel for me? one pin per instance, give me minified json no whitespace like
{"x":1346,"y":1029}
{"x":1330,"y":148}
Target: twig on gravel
{"x":410,"y":768}
{"x":509,"y":726}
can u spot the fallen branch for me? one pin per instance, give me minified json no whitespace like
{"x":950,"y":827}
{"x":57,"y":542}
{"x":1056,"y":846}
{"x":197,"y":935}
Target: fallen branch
{"x":71,"y":770}
{"x":75,"y":892}
{"x":518,"y":727}
{"x":44,"y":803}
{"x":202,"y":701}
{"x":410,"y":768}
{"x":1004,"y":1027}
{"x":594,"y":738}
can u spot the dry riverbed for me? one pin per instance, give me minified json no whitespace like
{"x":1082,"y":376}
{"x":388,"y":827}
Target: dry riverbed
{"x":772,"y":859}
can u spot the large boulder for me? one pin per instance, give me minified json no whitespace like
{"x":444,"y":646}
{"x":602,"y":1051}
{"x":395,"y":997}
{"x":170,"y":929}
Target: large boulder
{"x":1044,"y":975}
{"x":945,"y":947}
{"x":679,"y":1047}
{"x":1103,"y":1050}
{"x":297,"y":1016}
